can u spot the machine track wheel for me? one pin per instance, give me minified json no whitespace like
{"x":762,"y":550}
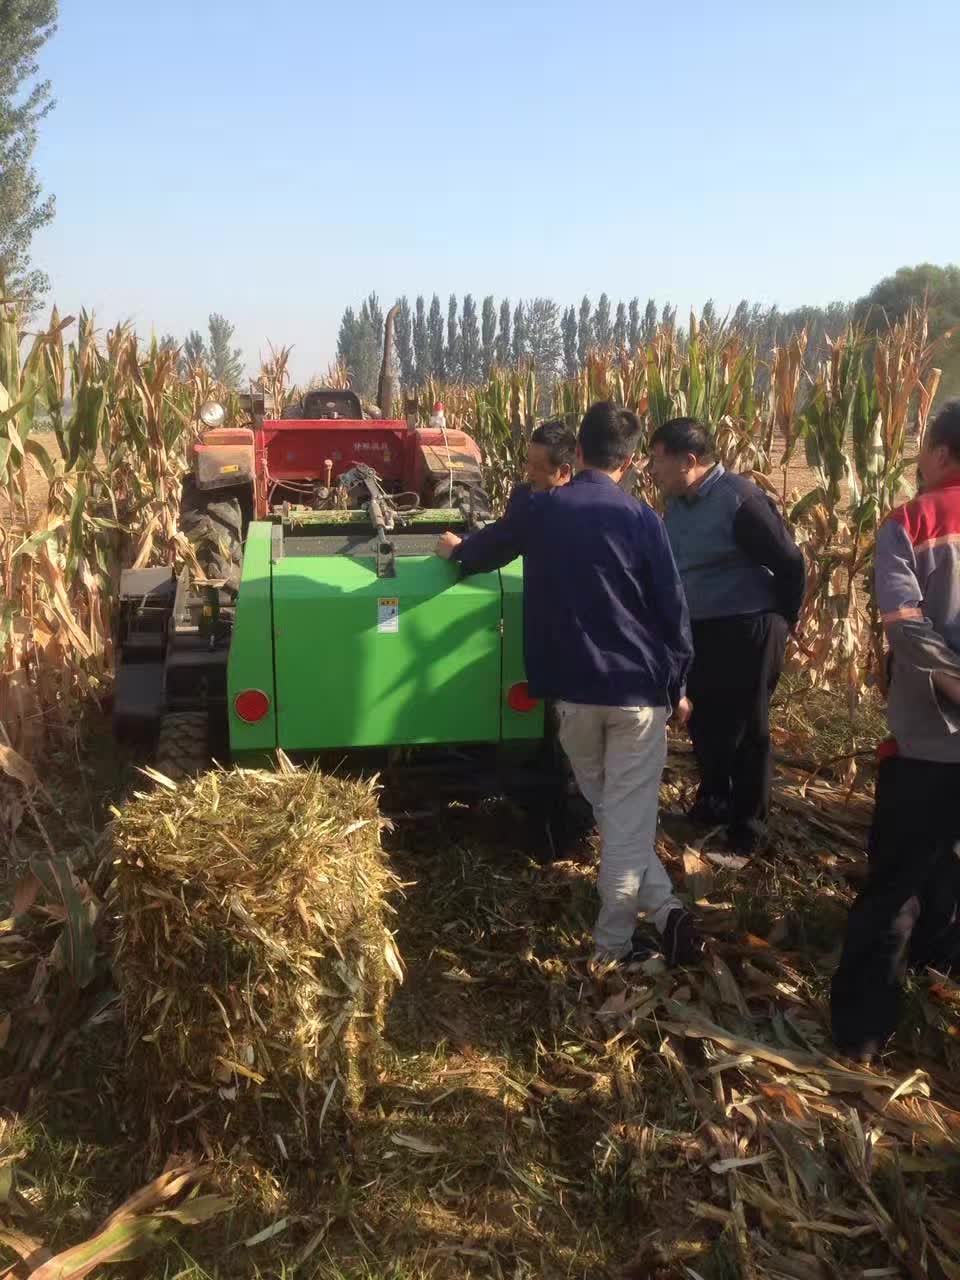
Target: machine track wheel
{"x":183,"y":745}
{"x":213,"y":522}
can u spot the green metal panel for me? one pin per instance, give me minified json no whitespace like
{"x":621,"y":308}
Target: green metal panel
{"x":355,"y":670}
{"x":515,"y":724}
{"x":250,"y":664}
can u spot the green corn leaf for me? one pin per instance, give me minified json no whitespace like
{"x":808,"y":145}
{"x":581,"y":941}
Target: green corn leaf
{"x":37,"y":451}
{"x":30,"y":546}
{"x":811,"y":499}
{"x":128,"y":1238}
{"x":77,"y":516}
{"x":76,"y":946}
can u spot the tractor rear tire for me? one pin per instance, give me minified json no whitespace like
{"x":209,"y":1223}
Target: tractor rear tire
{"x":183,"y":745}
{"x":213,"y":523}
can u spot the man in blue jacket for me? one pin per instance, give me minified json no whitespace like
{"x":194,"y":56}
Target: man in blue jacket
{"x":607,"y":639}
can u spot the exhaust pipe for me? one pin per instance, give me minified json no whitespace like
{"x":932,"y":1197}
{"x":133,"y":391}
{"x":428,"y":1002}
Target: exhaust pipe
{"x":387,"y":387}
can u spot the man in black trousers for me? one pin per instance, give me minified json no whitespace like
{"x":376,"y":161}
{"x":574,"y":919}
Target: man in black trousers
{"x":744,"y":580}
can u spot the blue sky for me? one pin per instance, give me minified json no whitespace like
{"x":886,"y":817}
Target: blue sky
{"x":276,"y":162}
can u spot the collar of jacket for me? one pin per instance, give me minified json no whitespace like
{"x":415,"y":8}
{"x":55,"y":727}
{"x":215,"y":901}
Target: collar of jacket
{"x":593,"y":476}
{"x":706,"y":484}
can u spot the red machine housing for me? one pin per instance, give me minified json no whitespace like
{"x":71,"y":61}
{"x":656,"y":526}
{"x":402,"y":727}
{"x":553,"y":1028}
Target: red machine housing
{"x":279,"y":455}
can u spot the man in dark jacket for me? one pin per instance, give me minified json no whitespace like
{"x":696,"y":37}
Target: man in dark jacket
{"x":606,"y":638}
{"x":551,"y":455}
{"x":744,"y":578}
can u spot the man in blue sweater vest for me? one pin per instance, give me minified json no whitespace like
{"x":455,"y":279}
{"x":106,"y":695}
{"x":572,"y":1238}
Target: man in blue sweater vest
{"x":744,"y":580}
{"x":607,"y":639}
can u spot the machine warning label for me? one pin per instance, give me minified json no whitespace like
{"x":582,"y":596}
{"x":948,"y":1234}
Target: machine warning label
{"x":388,"y":617}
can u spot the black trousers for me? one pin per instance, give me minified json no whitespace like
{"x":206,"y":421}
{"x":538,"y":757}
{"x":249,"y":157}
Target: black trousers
{"x":907,"y":913}
{"x":736,"y":665}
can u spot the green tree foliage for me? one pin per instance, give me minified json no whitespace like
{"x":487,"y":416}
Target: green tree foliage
{"x":584,"y":330}
{"x":503,"y":347}
{"x":358,"y":350}
{"x":195,"y":349}
{"x":470,"y":361}
{"x":620,"y":327}
{"x":488,"y":334}
{"x":403,"y":342}
{"x":455,"y":348}
{"x":519,"y":348}
{"x":602,"y":325}
{"x":891,"y":298}
{"x":438,"y":362}
{"x":568,"y":328}
{"x":25,"y":26}
{"x":374,"y":314}
{"x":422,"y":362}
{"x":633,"y":330}
{"x":453,"y":364}
{"x":225,"y":361}
{"x":544,"y":345}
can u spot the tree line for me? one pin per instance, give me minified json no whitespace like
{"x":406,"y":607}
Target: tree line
{"x":463,"y":341}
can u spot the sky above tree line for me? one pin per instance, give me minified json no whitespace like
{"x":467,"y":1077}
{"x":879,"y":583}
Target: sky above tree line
{"x":277,"y":166}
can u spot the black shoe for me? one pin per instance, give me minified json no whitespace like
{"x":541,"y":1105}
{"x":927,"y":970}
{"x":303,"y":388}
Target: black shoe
{"x":682,"y":943}
{"x":745,"y":841}
{"x":644,"y":945}
{"x":707,"y":813}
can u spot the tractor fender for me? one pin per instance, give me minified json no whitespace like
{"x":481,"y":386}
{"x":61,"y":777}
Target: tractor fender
{"x":224,"y":458}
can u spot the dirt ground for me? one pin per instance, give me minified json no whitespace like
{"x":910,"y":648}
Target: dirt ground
{"x":531,"y":1121}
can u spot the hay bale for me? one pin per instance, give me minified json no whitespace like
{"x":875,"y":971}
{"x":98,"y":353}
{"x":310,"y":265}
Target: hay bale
{"x":252,"y":953}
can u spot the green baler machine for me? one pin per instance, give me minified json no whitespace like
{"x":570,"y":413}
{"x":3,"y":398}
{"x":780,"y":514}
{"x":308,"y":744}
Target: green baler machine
{"x":323,"y":624}
{"x":347,"y":659}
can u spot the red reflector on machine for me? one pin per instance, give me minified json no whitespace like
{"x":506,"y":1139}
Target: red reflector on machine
{"x":518,"y":698}
{"x":251,"y":705}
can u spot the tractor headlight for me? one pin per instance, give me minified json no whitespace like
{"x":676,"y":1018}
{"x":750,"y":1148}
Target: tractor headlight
{"x":212,"y":414}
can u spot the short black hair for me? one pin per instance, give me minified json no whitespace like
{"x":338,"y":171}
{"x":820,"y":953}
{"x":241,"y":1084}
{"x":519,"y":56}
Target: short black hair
{"x":684,"y":435}
{"x":609,"y":435}
{"x":945,"y":429}
{"x":559,"y":441}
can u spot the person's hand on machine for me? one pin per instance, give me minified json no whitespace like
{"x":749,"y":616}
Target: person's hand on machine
{"x":447,"y":543}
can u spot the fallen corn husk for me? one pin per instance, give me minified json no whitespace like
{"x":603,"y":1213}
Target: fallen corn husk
{"x":252,"y":953}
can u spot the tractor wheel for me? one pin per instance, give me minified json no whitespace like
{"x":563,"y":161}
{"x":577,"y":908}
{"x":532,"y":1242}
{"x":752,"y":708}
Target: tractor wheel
{"x":183,"y":746}
{"x":213,"y":522}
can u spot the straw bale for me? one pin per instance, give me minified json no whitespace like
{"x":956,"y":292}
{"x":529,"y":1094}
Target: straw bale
{"x":252,"y":954}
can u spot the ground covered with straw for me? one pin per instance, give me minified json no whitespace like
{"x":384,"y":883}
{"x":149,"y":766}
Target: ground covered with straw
{"x":527,"y":1120}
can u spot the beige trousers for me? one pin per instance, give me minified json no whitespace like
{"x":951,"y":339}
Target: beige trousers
{"x":617,"y":755}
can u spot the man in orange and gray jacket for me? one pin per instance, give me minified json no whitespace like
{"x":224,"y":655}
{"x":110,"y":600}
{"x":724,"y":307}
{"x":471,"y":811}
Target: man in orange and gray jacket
{"x":908,"y":913}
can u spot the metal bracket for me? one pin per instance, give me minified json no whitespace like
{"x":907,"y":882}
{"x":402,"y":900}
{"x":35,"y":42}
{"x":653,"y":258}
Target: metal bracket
{"x":386,"y":557}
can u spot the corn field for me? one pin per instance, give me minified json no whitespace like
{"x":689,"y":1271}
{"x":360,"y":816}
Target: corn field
{"x":858,"y":417}
{"x":92,"y":450}
{"x":94,"y":431}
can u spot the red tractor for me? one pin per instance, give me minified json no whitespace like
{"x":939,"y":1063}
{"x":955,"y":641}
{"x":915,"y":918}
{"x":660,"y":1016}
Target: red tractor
{"x":323,"y":453}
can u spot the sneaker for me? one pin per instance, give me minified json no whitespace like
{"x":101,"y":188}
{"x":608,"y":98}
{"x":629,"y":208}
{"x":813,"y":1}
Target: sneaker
{"x":682,"y":943}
